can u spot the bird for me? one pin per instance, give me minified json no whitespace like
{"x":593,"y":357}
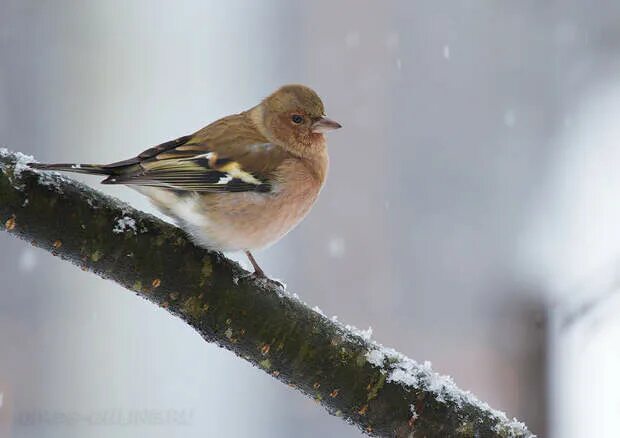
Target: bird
{"x":240,"y":183}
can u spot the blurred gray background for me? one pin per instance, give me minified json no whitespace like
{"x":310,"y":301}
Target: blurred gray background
{"x":468,"y":128}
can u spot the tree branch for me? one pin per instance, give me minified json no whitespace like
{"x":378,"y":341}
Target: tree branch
{"x":378,"y":389}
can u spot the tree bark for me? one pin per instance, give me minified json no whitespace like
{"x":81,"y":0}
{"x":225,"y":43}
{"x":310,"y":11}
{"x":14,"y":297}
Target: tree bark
{"x":375,"y":388}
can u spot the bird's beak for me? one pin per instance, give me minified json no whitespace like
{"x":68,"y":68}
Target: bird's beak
{"x":325,"y":125}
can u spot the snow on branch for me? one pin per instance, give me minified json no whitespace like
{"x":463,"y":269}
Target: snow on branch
{"x":375,"y":388}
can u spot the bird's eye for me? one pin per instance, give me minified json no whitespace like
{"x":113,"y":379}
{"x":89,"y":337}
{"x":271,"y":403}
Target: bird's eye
{"x":297,"y":119}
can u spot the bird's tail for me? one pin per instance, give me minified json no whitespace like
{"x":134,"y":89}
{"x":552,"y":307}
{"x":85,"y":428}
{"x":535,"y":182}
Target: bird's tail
{"x":92,"y":169}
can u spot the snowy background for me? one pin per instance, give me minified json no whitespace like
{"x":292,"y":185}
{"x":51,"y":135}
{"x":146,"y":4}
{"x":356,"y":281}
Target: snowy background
{"x":470,"y":217}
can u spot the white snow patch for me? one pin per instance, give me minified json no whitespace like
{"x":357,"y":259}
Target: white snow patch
{"x":21,"y":163}
{"x":408,"y":372}
{"x":318,"y":310}
{"x":47,"y":178}
{"x":27,"y":260}
{"x":510,"y":119}
{"x":446,"y":51}
{"x":335,"y":247}
{"x":375,"y":357}
{"x":364,"y":334}
{"x":123,"y":224}
{"x":277,"y":280}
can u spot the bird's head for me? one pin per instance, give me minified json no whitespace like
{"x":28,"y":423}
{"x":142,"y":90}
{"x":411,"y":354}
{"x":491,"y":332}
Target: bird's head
{"x":294,"y":118}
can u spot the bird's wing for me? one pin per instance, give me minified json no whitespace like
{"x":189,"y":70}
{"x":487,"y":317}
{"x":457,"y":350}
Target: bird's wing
{"x":229,"y":155}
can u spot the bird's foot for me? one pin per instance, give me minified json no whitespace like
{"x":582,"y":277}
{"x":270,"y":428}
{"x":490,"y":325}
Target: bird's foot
{"x":259,"y":274}
{"x":262,"y":278}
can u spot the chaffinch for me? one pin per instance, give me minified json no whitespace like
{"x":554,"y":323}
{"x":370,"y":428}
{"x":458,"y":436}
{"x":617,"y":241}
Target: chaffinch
{"x":240,"y":183}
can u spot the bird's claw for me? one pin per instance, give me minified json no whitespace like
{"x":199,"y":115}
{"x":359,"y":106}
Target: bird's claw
{"x":261,"y":277}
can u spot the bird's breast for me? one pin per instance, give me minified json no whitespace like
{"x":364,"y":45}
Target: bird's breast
{"x":251,"y":220}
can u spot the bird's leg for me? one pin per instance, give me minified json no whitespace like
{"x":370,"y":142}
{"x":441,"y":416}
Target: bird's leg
{"x":258,"y":272}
